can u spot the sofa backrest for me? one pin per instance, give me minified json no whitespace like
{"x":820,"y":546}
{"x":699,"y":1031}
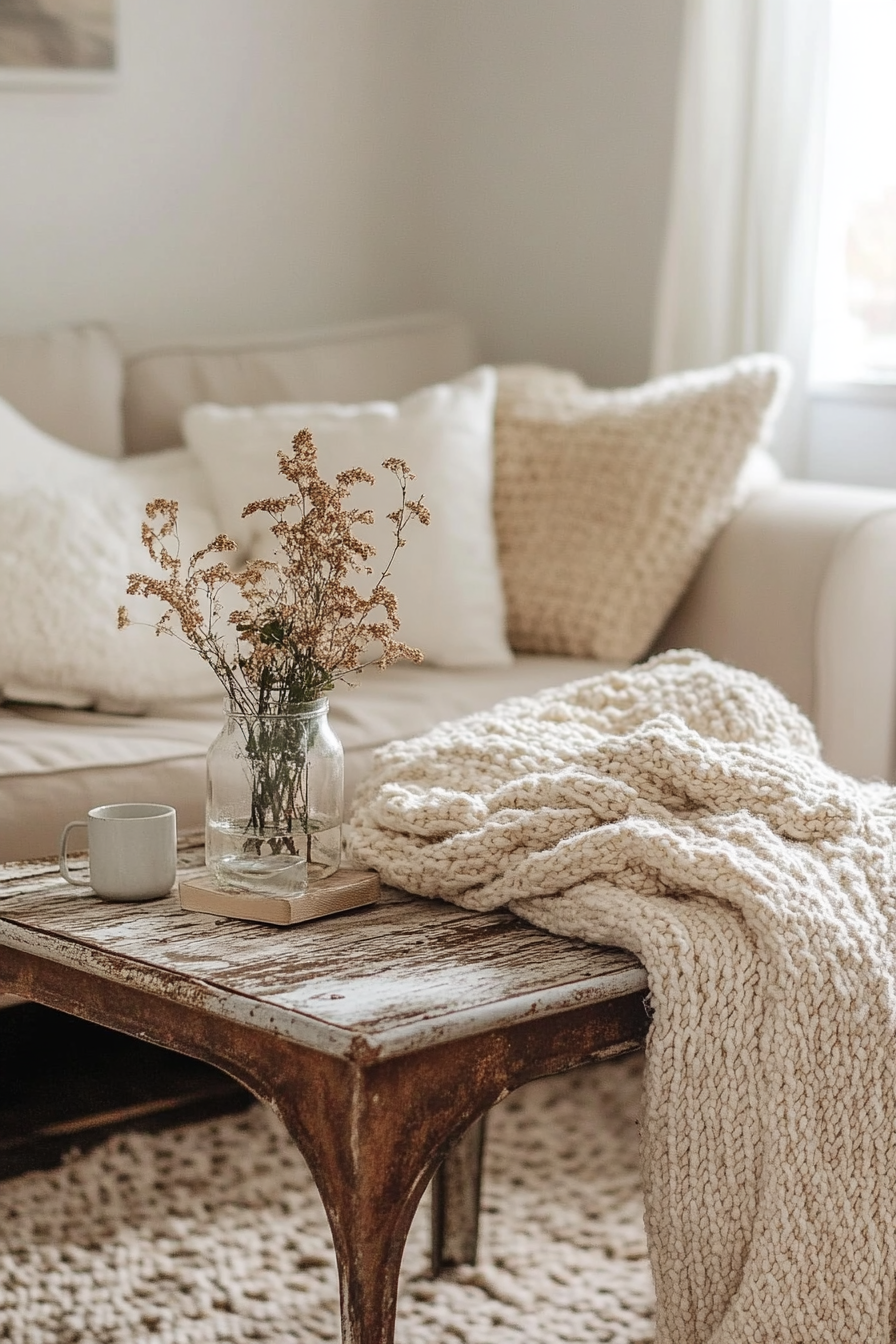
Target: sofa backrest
{"x":68,"y":382}
{"x":367,"y":361}
{"x":74,"y":383}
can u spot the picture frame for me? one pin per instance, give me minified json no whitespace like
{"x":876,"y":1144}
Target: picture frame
{"x":58,"y":44}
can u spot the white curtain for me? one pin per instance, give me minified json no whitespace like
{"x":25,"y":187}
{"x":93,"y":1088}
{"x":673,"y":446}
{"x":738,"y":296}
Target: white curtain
{"x":738,"y":268}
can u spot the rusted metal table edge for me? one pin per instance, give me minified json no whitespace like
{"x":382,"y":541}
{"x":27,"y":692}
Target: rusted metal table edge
{"x":507,"y":1012}
{"x":303,"y":1027}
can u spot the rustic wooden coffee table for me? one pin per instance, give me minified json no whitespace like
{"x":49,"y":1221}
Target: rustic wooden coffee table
{"x":379,"y":1036}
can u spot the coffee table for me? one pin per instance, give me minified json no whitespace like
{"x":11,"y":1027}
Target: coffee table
{"x":381,"y":1037}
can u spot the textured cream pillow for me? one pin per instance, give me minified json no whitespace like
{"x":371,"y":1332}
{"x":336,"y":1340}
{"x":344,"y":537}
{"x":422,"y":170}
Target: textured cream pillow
{"x":605,"y":502}
{"x":64,"y":562}
{"x":69,"y":536}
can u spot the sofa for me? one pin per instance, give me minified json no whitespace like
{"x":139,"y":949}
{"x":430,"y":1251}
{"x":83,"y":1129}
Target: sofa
{"x":799,"y":585}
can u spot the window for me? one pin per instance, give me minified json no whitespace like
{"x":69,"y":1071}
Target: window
{"x":855,"y":331}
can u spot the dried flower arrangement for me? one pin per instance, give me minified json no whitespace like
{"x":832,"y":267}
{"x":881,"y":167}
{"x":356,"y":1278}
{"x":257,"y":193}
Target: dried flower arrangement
{"x":300,"y":624}
{"x":305,"y":624}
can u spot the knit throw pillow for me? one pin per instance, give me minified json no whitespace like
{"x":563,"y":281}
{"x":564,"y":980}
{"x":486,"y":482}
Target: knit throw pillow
{"x":605,"y":502}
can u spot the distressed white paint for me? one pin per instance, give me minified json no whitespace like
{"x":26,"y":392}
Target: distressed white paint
{"x":402,"y":975}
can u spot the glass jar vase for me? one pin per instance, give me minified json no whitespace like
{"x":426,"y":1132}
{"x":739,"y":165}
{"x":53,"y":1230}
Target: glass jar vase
{"x":273,"y":817}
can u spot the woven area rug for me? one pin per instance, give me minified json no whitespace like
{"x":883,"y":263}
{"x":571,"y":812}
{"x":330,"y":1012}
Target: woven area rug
{"x":214,"y":1232}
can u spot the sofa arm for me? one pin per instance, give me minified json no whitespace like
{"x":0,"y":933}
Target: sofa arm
{"x":801,"y":588}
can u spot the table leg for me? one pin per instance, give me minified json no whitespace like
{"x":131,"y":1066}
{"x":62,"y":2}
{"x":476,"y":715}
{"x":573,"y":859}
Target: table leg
{"x":456,"y":1190}
{"x":373,"y":1131}
{"x":373,"y":1138}
{"x":374,"y":1134}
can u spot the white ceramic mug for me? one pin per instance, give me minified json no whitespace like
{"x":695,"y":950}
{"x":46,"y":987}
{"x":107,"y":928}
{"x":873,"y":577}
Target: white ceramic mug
{"x":132,"y":851}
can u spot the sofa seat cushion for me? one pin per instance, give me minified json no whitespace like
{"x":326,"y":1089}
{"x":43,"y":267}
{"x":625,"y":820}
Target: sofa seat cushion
{"x":55,"y":764}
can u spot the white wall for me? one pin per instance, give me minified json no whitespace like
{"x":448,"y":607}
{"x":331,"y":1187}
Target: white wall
{"x":266,"y":164}
{"x":244,"y":173}
{"x":549,"y":142}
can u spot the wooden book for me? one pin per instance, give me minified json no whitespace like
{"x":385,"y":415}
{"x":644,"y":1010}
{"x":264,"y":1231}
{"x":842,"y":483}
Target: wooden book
{"x":345,"y":890}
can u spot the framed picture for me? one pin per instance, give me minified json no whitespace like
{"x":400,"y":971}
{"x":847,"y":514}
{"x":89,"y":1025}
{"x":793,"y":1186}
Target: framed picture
{"x":64,"y":43}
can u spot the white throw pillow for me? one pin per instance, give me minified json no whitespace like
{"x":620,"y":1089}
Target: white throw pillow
{"x":70,"y":527}
{"x":446,"y":578}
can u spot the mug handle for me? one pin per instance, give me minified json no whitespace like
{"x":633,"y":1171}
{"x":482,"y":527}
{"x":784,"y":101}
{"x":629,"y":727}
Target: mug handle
{"x":63,"y":857}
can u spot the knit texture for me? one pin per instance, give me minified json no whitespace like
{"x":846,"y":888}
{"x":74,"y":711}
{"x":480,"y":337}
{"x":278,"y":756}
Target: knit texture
{"x":681,"y":809}
{"x":605,"y":502}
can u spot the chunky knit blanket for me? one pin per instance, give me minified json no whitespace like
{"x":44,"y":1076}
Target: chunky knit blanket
{"x":681,"y":809}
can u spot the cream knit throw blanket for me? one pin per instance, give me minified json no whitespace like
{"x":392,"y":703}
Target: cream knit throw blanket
{"x":680,"y":809}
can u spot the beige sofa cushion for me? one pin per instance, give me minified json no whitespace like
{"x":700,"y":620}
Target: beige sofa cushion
{"x":605,"y":502}
{"x":55,"y":764}
{"x":367,"y":361}
{"x":68,"y":382}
